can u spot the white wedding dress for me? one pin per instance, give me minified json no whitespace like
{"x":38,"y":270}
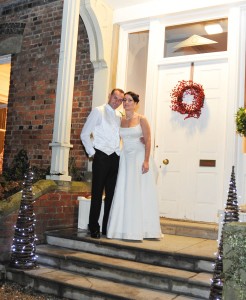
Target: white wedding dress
{"x":134,"y":213}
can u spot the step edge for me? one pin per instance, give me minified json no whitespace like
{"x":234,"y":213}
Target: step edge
{"x":132,"y":270}
{"x":83,"y":288}
{"x":127,"y":247}
{"x":40,"y":251}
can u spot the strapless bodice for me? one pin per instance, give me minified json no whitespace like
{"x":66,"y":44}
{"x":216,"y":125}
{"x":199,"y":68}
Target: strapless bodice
{"x":131,"y":138}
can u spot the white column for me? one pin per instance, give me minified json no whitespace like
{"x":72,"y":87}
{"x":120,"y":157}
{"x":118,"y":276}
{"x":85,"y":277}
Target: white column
{"x":64,"y":92}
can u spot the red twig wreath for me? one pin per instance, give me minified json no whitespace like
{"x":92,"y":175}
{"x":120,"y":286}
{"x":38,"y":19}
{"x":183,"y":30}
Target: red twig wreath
{"x":183,"y":88}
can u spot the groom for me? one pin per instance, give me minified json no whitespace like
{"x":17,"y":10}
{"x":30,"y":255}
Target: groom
{"x":103,"y":123}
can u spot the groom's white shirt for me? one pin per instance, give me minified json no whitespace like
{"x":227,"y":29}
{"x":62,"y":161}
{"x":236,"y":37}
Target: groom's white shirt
{"x":101,"y":131}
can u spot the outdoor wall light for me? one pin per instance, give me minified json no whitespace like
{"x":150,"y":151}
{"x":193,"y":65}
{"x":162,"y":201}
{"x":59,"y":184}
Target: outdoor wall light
{"x":213,"y":28}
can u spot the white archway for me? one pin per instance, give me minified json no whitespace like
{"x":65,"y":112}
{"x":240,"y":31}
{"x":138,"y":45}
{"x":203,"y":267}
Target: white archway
{"x":61,"y":135}
{"x":98,"y":22}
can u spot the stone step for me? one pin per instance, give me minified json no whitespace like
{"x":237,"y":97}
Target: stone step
{"x":150,"y":252}
{"x":128,"y":272}
{"x":190,"y":228}
{"x":69,"y":285}
{"x":75,"y":266}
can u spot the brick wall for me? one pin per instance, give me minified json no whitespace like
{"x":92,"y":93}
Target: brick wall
{"x":34,"y":73}
{"x":54,"y":210}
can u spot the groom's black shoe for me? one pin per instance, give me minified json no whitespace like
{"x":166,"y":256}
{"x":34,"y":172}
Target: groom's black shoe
{"x":95,"y":234}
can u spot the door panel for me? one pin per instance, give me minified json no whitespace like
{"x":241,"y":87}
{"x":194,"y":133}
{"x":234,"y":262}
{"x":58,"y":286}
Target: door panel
{"x":188,"y":190}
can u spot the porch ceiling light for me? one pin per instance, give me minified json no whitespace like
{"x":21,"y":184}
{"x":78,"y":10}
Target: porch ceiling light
{"x":213,"y":28}
{"x":194,"y":40}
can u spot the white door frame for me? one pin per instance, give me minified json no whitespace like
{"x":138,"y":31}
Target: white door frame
{"x":236,"y":50}
{"x":184,"y":163}
{"x":240,"y":156}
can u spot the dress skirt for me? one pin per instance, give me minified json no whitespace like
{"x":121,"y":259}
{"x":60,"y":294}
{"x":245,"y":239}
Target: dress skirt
{"x":134,"y":213}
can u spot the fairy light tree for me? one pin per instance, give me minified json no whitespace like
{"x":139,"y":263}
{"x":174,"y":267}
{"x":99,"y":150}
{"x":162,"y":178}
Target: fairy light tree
{"x":231,"y":209}
{"x":231,"y":214}
{"x":24,"y":242}
{"x":216,"y":288}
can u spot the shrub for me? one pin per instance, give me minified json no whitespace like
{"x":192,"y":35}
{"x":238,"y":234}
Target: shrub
{"x":241,"y":121}
{"x":12,"y":178}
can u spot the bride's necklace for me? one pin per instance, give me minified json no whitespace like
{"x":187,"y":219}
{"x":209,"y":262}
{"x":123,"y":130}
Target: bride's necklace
{"x":129,"y":118}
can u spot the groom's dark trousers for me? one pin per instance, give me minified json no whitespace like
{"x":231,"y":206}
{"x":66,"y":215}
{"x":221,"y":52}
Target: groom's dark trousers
{"x":104,"y":176}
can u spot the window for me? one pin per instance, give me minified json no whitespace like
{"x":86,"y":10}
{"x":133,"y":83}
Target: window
{"x":4,"y":93}
{"x":137,"y":65}
{"x":196,"y":38}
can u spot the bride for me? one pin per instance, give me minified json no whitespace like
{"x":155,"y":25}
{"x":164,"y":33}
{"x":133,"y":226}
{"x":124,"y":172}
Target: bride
{"x":134,"y":213}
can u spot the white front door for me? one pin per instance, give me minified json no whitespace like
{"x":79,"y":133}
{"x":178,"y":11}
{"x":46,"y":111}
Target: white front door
{"x":191,"y":181}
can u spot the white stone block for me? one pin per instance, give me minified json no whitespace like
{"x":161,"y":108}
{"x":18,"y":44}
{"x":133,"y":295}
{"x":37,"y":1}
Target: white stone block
{"x":84,"y":210}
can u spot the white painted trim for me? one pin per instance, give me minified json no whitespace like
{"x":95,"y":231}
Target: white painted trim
{"x":155,"y":50}
{"x":5,"y":59}
{"x":160,"y":9}
{"x":187,"y":17}
{"x":94,"y":34}
{"x":64,"y":92}
{"x":97,"y":51}
{"x":124,"y":31}
{"x":122,"y":58}
{"x":240,"y":157}
{"x":136,"y":26}
{"x":178,"y":60}
{"x":231,"y":147}
{"x":155,"y":34}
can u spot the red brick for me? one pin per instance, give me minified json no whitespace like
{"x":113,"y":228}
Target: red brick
{"x":33,"y":83}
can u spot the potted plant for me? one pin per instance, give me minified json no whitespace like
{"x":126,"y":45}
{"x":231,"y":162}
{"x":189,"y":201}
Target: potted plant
{"x":241,"y":121}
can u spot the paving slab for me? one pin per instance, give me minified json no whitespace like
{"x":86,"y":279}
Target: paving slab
{"x":119,"y":263}
{"x":70,"y":281}
{"x":170,"y":243}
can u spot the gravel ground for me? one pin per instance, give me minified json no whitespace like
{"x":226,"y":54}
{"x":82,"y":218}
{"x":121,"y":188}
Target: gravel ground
{"x":12,"y":291}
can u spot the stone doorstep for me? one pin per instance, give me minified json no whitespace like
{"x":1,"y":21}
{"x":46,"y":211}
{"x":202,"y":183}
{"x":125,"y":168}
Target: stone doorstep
{"x":189,"y":228}
{"x":140,"y":274}
{"x":169,"y":226}
{"x":192,"y":254}
{"x":164,"y":259}
{"x":124,"y":256}
{"x":73,"y":286}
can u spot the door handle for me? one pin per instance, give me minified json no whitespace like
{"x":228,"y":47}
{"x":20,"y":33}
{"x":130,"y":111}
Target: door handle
{"x":165,"y":161}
